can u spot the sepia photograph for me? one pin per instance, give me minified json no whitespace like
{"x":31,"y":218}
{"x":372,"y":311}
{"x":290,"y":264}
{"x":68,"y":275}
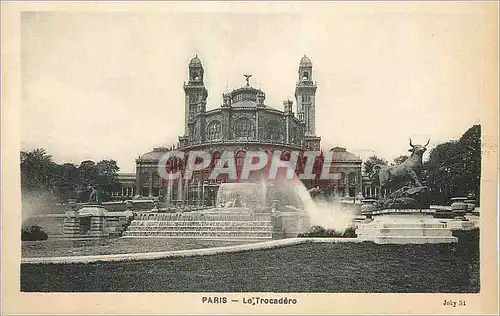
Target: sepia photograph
{"x":253,"y":156}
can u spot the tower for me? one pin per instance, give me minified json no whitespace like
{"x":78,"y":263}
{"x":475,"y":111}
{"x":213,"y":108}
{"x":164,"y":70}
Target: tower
{"x":305,"y":92}
{"x":195,"y":94}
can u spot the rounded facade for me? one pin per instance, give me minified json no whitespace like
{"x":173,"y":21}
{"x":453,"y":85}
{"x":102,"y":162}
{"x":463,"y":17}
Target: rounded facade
{"x":243,"y":122}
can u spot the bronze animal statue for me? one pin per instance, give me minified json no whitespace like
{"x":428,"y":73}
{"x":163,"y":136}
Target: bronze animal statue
{"x":398,"y":175}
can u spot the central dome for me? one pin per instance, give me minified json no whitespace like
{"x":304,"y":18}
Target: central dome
{"x":247,"y":97}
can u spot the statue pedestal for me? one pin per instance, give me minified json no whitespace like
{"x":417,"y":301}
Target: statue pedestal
{"x":459,"y":224}
{"x":461,"y":208}
{"x":412,"y":226}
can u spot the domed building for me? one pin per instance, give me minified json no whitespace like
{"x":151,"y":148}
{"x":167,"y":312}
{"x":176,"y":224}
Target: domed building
{"x":243,"y":121}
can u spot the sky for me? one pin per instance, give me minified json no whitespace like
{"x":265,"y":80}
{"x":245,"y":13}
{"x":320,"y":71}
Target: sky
{"x":109,"y":85}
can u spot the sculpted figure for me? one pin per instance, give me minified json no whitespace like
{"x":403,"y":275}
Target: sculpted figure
{"x":93,"y":195}
{"x":402,"y":180}
{"x":394,"y":176}
{"x":247,"y":78}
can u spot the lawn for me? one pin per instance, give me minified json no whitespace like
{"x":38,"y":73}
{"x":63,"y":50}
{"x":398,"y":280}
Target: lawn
{"x":58,"y":247}
{"x":328,"y":268}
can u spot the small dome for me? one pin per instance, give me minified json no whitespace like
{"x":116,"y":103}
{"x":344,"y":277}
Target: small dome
{"x":156,"y":154}
{"x":305,"y":62}
{"x":195,"y":62}
{"x":341,"y":154}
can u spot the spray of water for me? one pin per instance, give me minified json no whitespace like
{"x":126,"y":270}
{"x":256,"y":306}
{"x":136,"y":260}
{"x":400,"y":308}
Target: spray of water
{"x":37,"y":203}
{"x":328,"y":214}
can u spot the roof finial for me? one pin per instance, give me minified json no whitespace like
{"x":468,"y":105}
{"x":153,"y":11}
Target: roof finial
{"x":247,"y":77}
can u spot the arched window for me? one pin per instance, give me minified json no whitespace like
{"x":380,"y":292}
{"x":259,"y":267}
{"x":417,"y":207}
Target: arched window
{"x":196,"y":131}
{"x":293,"y":134}
{"x":243,"y":127}
{"x":195,"y":75}
{"x":214,"y":130}
{"x":274,"y":131}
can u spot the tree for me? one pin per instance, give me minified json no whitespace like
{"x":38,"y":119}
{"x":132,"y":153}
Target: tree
{"x":372,"y":161}
{"x":107,"y":167}
{"x":103,"y":175}
{"x":37,"y":170}
{"x":67,"y":181}
{"x":469,"y":147}
{"x":39,"y":173}
{"x":107,"y":179}
{"x":400,"y":159}
{"x":454,"y":168}
{"x":87,"y":173}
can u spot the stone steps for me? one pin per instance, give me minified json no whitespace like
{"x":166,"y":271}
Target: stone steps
{"x":196,"y":217}
{"x":197,"y":228}
{"x":406,"y":232}
{"x":202,"y":234}
{"x":403,"y":228}
{"x":136,"y":223}
{"x":208,"y":229}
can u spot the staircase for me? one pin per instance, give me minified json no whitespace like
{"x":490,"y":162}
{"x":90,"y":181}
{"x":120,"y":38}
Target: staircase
{"x":200,"y":226}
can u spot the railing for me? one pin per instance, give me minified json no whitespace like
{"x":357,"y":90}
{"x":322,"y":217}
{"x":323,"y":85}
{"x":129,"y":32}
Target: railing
{"x":294,"y":145}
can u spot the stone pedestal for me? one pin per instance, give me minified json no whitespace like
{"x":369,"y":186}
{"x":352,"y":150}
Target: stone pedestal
{"x":405,"y":227}
{"x":368,"y":207}
{"x":72,"y":221}
{"x":71,"y":224}
{"x":471,"y":204}
{"x":102,"y":223}
{"x":365,"y":216}
{"x":460,"y":206}
{"x":458,"y":224}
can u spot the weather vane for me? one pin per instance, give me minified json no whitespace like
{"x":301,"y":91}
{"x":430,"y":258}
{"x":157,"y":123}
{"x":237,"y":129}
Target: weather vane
{"x":247,"y":76}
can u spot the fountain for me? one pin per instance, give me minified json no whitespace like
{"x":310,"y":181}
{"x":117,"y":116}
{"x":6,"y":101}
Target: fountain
{"x":249,"y":210}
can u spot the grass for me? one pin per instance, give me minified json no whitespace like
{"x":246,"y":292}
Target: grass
{"x":327,"y":268}
{"x":106,"y":246}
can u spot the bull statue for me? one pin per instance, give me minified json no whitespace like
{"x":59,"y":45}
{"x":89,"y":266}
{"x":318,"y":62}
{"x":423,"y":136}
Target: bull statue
{"x":391,"y":176}
{"x":398,"y":176}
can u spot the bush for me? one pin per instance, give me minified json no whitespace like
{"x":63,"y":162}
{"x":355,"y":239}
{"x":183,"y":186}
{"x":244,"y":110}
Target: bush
{"x":33,"y":233}
{"x":350,"y":233}
{"x":319,"y":231}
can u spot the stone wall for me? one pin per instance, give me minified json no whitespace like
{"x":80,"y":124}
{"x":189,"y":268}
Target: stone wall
{"x":95,"y":221}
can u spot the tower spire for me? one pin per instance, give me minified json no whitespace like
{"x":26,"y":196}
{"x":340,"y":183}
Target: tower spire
{"x":305,"y":92}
